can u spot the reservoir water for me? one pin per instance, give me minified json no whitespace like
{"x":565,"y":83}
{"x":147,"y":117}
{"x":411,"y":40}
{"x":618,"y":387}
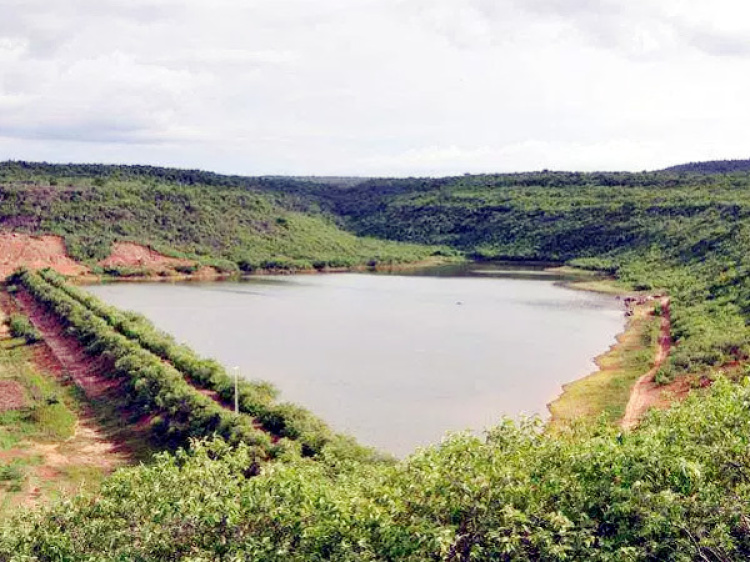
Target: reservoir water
{"x":394,"y":360}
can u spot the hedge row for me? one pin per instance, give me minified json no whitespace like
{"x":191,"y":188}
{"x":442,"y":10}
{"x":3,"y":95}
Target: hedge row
{"x":255,"y":398}
{"x":151,"y":387}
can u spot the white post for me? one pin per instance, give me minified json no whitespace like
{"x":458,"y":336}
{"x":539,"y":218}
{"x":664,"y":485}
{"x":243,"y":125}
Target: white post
{"x":236,"y":394}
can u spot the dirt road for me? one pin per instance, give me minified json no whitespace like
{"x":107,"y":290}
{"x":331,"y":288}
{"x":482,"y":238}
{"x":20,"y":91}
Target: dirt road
{"x":646,"y":393}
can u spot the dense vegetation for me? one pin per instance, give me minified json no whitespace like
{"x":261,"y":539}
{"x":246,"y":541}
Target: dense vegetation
{"x":226,"y":222}
{"x":712,"y":167}
{"x":675,"y":489}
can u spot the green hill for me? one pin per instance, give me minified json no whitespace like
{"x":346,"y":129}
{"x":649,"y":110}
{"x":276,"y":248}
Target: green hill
{"x":711,"y":167}
{"x":220,"y":220}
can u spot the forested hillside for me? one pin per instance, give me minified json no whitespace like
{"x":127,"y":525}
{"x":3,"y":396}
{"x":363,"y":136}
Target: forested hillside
{"x":226,"y":221}
{"x":712,"y":167}
{"x":685,"y":233}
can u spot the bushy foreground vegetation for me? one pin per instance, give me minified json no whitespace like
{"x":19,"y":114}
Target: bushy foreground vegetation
{"x":677,"y":489}
{"x":226,"y":222}
{"x":255,"y":398}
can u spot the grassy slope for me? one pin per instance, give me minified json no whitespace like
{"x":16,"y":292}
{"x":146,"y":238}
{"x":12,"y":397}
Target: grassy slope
{"x":606,"y":391}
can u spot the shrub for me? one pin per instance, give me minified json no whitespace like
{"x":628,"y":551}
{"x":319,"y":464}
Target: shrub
{"x":664,"y":375}
{"x":20,"y":327}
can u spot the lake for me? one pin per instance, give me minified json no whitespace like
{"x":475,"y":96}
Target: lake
{"x":394,"y":360}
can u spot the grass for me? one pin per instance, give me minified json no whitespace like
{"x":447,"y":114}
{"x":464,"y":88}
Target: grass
{"x":606,"y":392}
{"x":50,"y":414}
{"x":595,"y":282}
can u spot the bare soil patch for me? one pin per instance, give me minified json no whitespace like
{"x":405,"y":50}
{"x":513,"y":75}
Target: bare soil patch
{"x":89,"y":446}
{"x":12,"y":396}
{"x":35,"y":252}
{"x":130,"y":254}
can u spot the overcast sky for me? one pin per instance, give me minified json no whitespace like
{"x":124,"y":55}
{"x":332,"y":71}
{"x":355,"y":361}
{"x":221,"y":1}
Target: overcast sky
{"x":386,"y":87}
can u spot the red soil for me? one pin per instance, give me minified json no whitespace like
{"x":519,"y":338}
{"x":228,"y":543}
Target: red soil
{"x":11,"y":396}
{"x":35,"y":252}
{"x":67,"y":355}
{"x":129,"y":254}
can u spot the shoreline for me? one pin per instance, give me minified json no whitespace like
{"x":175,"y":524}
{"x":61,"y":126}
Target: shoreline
{"x":576,"y":396}
{"x":569,"y":277}
{"x":606,"y":391}
{"x":201,"y":275}
{"x":572,"y":278}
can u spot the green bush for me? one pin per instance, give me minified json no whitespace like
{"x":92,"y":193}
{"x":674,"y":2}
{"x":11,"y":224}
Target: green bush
{"x":20,"y":327}
{"x":675,"y":490}
{"x":664,"y":375}
{"x":187,"y":269}
{"x":126,"y":271}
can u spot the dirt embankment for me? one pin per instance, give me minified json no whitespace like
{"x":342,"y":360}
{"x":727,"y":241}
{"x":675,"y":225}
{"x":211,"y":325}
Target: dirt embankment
{"x":646,"y":393}
{"x":130,"y":254}
{"x":146,"y":261}
{"x":35,"y":252}
{"x":12,"y":396}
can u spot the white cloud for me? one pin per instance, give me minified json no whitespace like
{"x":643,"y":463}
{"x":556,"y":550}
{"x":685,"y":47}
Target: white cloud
{"x":375,"y":87}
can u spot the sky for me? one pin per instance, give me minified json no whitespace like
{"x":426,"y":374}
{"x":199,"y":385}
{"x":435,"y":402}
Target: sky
{"x":375,"y":88}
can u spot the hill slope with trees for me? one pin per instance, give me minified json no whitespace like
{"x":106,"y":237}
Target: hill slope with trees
{"x":225,"y":221}
{"x":711,"y":167}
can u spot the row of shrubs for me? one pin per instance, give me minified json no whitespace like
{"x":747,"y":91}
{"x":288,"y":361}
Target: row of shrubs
{"x":255,"y":398}
{"x":152,"y":388}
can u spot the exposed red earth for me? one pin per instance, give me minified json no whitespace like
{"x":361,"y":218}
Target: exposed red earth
{"x":86,"y":372}
{"x":35,"y":252}
{"x":38,"y":252}
{"x":11,"y":396}
{"x":130,"y":254}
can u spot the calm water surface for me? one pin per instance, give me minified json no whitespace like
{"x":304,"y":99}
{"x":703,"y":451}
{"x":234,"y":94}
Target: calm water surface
{"x":395,"y":360}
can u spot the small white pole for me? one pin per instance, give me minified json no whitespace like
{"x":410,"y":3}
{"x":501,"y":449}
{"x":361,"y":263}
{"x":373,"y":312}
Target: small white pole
{"x":236,"y":394}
